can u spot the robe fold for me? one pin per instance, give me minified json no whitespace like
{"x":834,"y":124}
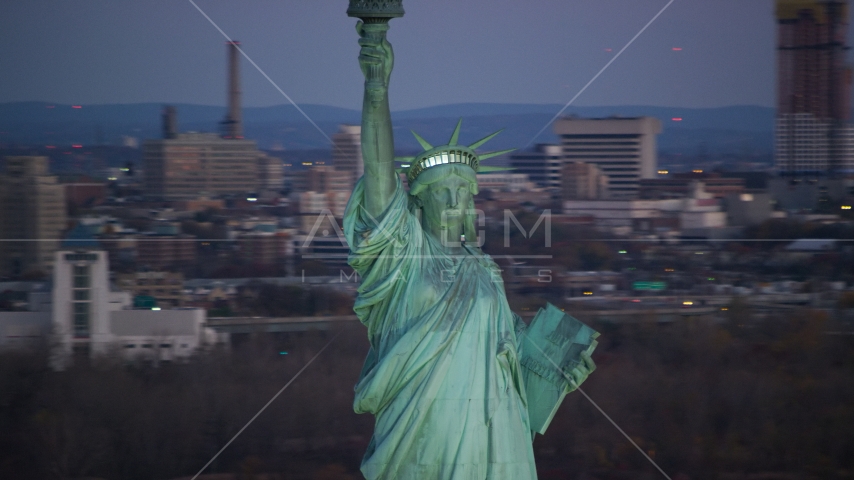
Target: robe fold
{"x":442,"y":376}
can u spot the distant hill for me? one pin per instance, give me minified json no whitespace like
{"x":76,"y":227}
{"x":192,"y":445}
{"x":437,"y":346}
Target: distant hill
{"x":718,"y":130}
{"x":147,"y":113}
{"x":748,"y":118}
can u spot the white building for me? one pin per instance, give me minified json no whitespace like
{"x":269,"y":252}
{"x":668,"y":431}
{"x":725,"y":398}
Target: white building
{"x":91,"y":319}
{"x":159,"y":335}
{"x":624,"y":149}
{"x":699,"y":211}
{"x":618,"y":213}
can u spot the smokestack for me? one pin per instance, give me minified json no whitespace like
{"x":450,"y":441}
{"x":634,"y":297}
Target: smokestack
{"x":170,"y":122}
{"x":232,"y":126}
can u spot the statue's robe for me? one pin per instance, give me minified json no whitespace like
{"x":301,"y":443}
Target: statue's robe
{"x":442,"y":376}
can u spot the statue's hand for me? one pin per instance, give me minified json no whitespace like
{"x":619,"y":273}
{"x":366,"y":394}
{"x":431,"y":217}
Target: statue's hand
{"x":580,"y":373}
{"x":376,"y":56}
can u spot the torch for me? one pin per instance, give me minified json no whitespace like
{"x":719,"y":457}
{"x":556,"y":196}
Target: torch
{"x":375,"y":14}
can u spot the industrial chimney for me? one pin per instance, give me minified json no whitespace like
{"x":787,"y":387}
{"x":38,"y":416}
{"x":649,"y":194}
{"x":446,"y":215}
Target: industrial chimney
{"x":232,"y":126}
{"x":170,"y":122}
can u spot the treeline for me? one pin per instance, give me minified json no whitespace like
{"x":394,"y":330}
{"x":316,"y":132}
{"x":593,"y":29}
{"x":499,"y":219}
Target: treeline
{"x":262,"y":299}
{"x":117,"y":421}
{"x":736,"y":400}
{"x":769,"y":399}
{"x":572,"y":247}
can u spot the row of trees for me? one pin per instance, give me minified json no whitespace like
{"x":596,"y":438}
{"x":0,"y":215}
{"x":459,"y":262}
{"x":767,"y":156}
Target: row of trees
{"x":705,"y":400}
{"x":261,"y":299}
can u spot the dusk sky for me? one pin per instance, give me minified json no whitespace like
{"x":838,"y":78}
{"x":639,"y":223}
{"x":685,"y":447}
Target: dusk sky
{"x":447,"y":51}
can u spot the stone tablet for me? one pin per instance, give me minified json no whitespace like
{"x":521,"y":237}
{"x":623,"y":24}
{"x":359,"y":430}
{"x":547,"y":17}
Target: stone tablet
{"x":552,"y":344}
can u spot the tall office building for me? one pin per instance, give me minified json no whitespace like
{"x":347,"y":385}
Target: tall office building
{"x":813,"y":135}
{"x":32,"y":210}
{"x":347,"y":151}
{"x":624,"y":149}
{"x":543,"y":165}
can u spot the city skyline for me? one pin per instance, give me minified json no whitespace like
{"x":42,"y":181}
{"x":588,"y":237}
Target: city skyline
{"x":93,"y":52}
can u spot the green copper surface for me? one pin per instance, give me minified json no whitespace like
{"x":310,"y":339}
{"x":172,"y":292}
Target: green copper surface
{"x":366,"y":9}
{"x":444,"y":376}
{"x":552,"y":350}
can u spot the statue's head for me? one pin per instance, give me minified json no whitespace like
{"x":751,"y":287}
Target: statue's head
{"x":443,"y":180}
{"x":445,"y":194}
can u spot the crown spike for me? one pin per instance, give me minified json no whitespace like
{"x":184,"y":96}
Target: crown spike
{"x":489,"y":155}
{"x":480,"y":142}
{"x":456,"y":135}
{"x":424,"y":144}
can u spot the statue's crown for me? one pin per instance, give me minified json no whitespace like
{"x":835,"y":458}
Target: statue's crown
{"x":450,"y":154}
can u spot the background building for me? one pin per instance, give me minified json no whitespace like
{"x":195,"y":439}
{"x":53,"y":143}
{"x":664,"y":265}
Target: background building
{"x":582,"y":181}
{"x":813,"y":135}
{"x":347,"y":151}
{"x":189,"y":165}
{"x":322,"y":179}
{"x":167,"y":288}
{"x":315,"y":206}
{"x":678,"y":185}
{"x":509,"y":182}
{"x":165,"y":247}
{"x":624,"y":149}
{"x":543,"y":165}
{"x":271,"y":173}
{"x":32,"y":209}
{"x":91,"y":318}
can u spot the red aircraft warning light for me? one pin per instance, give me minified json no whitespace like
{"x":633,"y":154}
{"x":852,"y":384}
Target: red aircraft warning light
{"x":77,"y":106}
{"x":677,"y":119}
{"x":677,"y":49}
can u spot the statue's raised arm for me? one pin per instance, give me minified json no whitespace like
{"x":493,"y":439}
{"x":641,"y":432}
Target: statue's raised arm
{"x":377,"y":60}
{"x":444,"y":375}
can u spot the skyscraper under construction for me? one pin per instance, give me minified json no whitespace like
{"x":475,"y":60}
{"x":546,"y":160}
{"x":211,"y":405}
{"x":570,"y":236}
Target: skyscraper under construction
{"x":813,"y":132}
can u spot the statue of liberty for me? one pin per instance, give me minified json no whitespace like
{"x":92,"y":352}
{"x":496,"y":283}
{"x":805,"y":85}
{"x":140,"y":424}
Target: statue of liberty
{"x":443,"y":375}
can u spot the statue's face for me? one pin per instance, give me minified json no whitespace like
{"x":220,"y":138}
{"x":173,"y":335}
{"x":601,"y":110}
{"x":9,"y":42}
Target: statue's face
{"x":444,"y":203}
